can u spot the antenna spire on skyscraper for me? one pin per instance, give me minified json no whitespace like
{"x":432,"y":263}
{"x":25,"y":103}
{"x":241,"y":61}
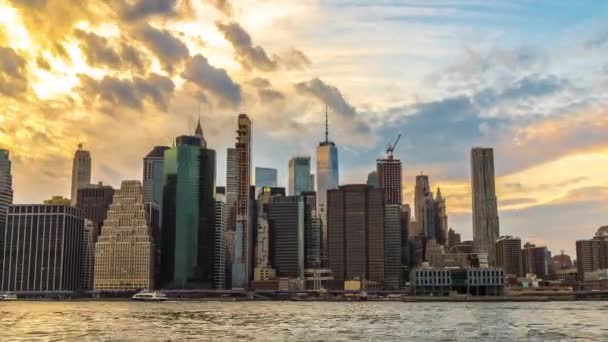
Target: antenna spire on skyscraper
{"x":326,"y":125}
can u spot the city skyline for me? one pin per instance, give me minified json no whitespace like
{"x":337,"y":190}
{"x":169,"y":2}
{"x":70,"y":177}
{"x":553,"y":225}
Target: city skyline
{"x":507,"y":88}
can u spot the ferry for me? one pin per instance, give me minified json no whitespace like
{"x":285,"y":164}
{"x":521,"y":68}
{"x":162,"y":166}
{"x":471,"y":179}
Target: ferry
{"x":150,"y":296}
{"x":8,"y":296}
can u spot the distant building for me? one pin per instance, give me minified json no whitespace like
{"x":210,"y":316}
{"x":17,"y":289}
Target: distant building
{"x":313,"y":232}
{"x":389,"y":178}
{"x":592,"y":254}
{"x":448,"y":281}
{"x":392,"y":246}
{"x":508,"y":255}
{"x":232,"y":187}
{"x":263,"y":268}
{"x":562,"y":262}
{"x":124,"y":252}
{"x":95,"y":200}
{"x":355,"y":225}
{"x":441,"y":218}
{"x":88,"y":256}
{"x":299,"y":176}
{"x":286,"y":219}
{"x":406,"y":247}
{"x":153,"y":175}
{"x":219,"y":253}
{"x":372,"y":179}
{"x":58,"y":200}
{"x":6,"y":195}
{"x":485,"y":211}
{"x":81,"y":171}
{"x":453,"y":238}
{"x":42,"y":248}
{"x":534,"y":260}
{"x":327,"y":176}
{"x":265,"y":177}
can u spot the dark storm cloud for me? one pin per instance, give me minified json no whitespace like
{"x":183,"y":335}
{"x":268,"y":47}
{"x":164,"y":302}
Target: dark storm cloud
{"x":214,"y":80}
{"x":327,"y":94}
{"x":100,"y":51}
{"x":13,"y":73}
{"x":130,"y":92}
{"x":248,"y":55}
{"x":531,"y":86}
{"x":169,"y":49}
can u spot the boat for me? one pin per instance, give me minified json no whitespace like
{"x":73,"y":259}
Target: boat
{"x":150,"y":296}
{"x":8,"y":296}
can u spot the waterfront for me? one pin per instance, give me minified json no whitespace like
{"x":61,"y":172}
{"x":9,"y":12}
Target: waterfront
{"x":303,"y":321}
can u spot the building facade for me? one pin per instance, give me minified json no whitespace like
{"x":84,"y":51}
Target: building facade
{"x":286,"y":219}
{"x":6,"y":194}
{"x":534,"y":260}
{"x":421,"y":193}
{"x":42,"y":248}
{"x":124,"y":252}
{"x":392,"y":246}
{"x":219,"y":254}
{"x":94,"y":201}
{"x":485,"y":210}
{"x":355,"y":226}
{"x":389,"y":178}
{"x":372,"y":179}
{"x":327,"y":176}
{"x":508,"y":255}
{"x":298,"y":176}
{"x":242,"y":268}
{"x":88,"y":256}
{"x":81,"y":171}
{"x":592,"y":254}
{"x":153,"y":175}
{"x":265,"y":177}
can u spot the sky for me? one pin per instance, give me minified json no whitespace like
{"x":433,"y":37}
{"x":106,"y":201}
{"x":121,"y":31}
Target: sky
{"x":527,"y":78}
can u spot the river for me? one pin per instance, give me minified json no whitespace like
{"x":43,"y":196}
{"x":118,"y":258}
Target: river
{"x":303,"y":321}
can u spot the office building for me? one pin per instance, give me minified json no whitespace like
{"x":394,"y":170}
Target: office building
{"x":242,"y":267}
{"x":88,"y":256}
{"x":265,"y":177}
{"x":327,"y":175}
{"x":592,"y":254}
{"x":453,"y":238}
{"x":421,"y":194}
{"x":81,"y":171}
{"x":534,"y":260}
{"x":485,"y":211}
{"x":188,"y":212}
{"x":263,"y":270}
{"x":286,"y":222}
{"x":508,"y":255}
{"x":389,"y":178}
{"x":313,"y":232}
{"x":153,"y":175}
{"x":124,"y":252}
{"x":219,"y":254}
{"x":298,"y":176}
{"x":561,"y":262}
{"x":392,"y":246}
{"x":440,"y":219}
{"x":406,"y":248}
{"x":355,"y":226}
{"x":6,"y":194}
{"x":372,"y":179}
{"x":94,"y":200}
{"x":42,"y":248}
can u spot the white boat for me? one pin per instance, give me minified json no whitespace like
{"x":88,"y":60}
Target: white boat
{"x":8,"y":296}
{"x":150,"y":296}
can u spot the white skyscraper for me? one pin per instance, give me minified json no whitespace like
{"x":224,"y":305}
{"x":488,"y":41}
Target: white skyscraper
{"x":327,"y":175}
{"x":485,"y":212}
{"x":81,"y":171}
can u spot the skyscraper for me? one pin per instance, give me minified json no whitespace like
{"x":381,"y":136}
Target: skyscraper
{"x":299,"y":175}
{"x":372,"y":179}
{"x":219,"y":254}
{"x":265,"y":177}
{"x":592,"y":254}
{"x":355,"y":226}
{"x":327,"y":175}
{"x":388,"y":171}
{"x":188,"y":229}
{"x":392,"y":246}
{"x":124,"y":252}
{"x":508,"y":255}
{"x":534,"y":260}
{"x":421,"y":193}
{"x":153,"y":175}
{"x":81,"y":171}
{"x":485,"y":212}
{"x":441,"y":219}
{"x":95,"y":200}
{"x":6,"y":195}
{"x":43,"y":248}
{"x":243,"y":263}
{"x":88,"y":256}
{"x":286,"y":221}
{"x":198,"y":132}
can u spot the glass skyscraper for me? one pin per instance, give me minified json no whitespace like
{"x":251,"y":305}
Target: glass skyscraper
{"x":153,"y":175}
{"x":265,"y":177}
{"x":327,"y":176}
{"x":299,"y":176}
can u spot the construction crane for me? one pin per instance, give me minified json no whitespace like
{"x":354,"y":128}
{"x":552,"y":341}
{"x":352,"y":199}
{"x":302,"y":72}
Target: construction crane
{"x":391,"y":147}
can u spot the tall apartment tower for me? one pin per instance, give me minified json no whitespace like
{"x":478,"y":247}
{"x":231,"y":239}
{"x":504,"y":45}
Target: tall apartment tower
{"x":392,"y":246}
{"x":219,"y":254}
{"x":299,"y":175}
{"x":153,"y":175}
{"x":355,"y":226}
{"x":188,"y":229}
{"x":81,"y":172}
{"x":327,"y":175}
{"x":534,"y":260}
{"x":508,"y":255}
{"x":485,"y":210}
{"x":389,"y":178}
{"x":592,"y":254}
{"x":124,"y":252}
{"x":421,"y":193}
{"x":42,"y":249}
{"x":6,"y":195}
{"x":243,"y":261}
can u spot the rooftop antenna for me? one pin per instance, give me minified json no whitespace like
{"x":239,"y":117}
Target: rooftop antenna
{"x":326,"y":125}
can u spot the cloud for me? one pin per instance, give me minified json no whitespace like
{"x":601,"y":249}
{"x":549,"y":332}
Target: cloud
{"x":42,"y":63}
{"x":101,"y":51}
{"x":270,"y":95}
{"x":223,"y":6}
{"x":215,"y":80}
{"x":259,"y":82}
{"x":293,"y":59}
{"x":145,"y":8}
{"x":248,"y":55}
{"x":169,"y":49}
{"x":327,"y":94}
{"x":131,"y":93}
{"x":13,"y":72}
